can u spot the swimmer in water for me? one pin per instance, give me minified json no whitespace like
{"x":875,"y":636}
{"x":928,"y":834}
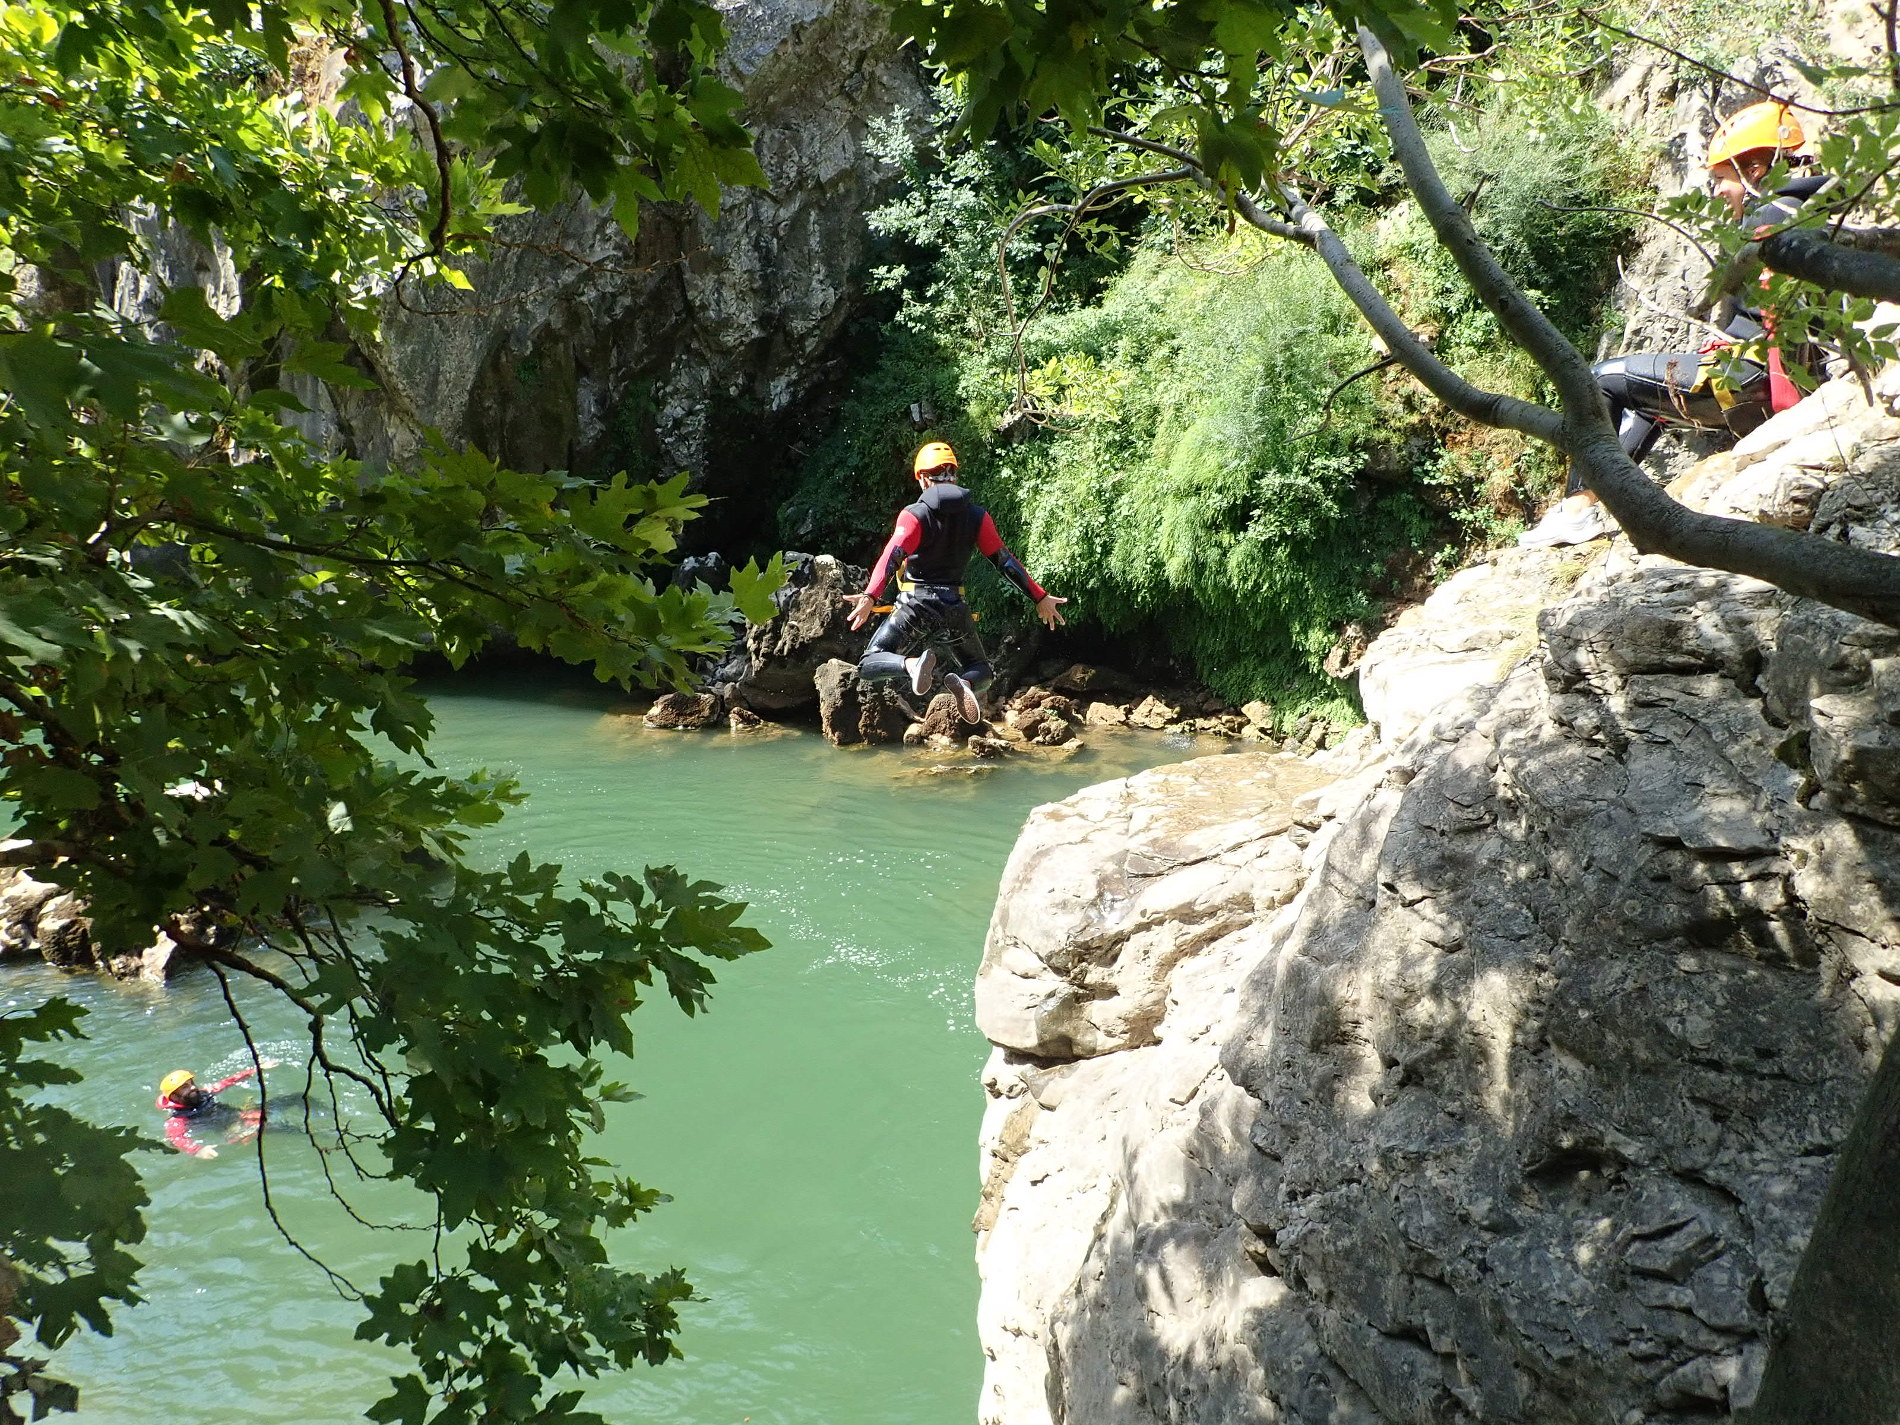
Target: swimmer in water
{"x":192,"y":1110}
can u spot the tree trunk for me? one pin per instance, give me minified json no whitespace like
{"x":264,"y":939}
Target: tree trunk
{"x":1835,"y":1359}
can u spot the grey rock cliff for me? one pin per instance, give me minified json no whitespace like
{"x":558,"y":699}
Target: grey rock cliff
{"x":577,"y":348}
{"x":1488,"y":1068}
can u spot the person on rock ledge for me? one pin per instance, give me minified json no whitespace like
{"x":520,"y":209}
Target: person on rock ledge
{"x":1648,"y":390}
{"x":927,"y":553}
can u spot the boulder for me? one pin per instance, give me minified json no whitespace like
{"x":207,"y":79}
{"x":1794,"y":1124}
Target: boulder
{"x":40,"y":921}
{"x":1153,"y":714}
{"x":849,"y":711}
{"x":1106,"y":715}
{"x":1083,"y":678}
{"x":1498,"y":1074}
{"x":773,"y":670}
{"x":684,"y":711}
{"x":989,"y":747}
{"x":744,"y":720}
{"x":943,"y":719}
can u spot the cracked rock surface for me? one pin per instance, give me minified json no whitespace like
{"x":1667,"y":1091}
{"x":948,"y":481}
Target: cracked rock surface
{"x":1490,"y":1067}
{"x":687,"y":348}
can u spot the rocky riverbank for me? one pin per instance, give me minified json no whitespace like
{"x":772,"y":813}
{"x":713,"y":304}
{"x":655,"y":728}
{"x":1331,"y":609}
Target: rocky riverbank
{"x":1490,"y":1066}
{"x":801,"y":666}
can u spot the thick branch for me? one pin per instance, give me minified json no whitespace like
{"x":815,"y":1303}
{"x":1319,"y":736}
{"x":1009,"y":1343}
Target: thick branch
{"x":1523,"y":321}
{"x":1486,"y":407}
{"x":1857,"y":580}
{"x":1837,"y":266}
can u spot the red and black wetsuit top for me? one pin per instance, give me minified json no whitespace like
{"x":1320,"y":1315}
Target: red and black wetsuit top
{"x":180,"y":1117}
{"x":934,"y":539}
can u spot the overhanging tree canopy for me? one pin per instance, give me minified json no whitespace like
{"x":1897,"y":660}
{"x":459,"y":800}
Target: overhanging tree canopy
{"x":203,"y":618}
{"x":1231,"y":95}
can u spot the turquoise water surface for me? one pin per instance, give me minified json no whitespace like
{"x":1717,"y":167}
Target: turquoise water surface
{"x":817,"y":1129}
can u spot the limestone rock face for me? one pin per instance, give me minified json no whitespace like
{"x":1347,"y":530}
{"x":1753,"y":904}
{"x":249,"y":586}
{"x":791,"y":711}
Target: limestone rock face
{"x":1490,"y":1066}
{"x":689,"y":349}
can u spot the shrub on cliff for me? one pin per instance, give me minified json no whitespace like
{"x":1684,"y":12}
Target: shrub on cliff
{"x":1185,"y":479}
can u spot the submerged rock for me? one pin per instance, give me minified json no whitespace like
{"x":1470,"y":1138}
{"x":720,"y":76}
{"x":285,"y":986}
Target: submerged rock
{"x":1491,"y":1066}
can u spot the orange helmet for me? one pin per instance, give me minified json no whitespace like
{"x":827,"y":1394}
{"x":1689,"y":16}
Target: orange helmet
{"x":1766,"y":125}
{"x":933,"y":455}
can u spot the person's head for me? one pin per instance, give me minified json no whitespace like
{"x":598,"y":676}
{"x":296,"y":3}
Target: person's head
{"x":1749,"y":143}
{"x":934,"y":463}
{"x":180,"y":1086}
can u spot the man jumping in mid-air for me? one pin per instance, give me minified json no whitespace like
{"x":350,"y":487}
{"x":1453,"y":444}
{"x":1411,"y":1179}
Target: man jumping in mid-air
{"x":928,"y":550}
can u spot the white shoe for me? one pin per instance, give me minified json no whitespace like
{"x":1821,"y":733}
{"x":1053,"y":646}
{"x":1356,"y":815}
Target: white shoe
{"x":923,"y":668}
{"x":1563,"y":526}
{"x":967,"y":706}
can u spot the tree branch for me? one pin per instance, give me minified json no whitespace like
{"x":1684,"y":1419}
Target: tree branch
{"x":1807,"y":565}
{"x":345,"y":1288}
{"x":1490,"y":408}
{"x":1838,"y":266}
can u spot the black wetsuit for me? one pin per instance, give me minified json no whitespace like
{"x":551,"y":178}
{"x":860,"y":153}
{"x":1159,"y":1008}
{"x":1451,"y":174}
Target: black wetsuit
{"x":1650,"y":389}
{"x":928,"y":552}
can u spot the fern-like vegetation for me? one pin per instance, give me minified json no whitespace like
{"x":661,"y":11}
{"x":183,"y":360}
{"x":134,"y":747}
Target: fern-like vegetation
{"x":1194,"y":476}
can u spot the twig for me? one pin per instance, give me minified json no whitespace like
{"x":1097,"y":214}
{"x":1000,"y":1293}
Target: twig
{"x":345,"y":1288}
{"x":1326,"y":408}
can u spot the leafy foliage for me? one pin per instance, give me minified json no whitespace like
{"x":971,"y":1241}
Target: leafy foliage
{"x":203,"y":619}
{"x":74,"y":1198}
{"x":1189,"y":486}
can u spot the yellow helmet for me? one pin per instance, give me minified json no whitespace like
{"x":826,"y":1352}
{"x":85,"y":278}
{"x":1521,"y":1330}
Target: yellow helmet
{"x":1766,"y":125}
{"x":175,"y":1080}
{"x":933,"y":456}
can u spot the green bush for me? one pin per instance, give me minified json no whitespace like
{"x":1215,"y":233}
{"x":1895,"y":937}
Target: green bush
{"x":1189,"y":485}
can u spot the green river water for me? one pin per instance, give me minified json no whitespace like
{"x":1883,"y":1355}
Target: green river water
{"x":817,"y":1128}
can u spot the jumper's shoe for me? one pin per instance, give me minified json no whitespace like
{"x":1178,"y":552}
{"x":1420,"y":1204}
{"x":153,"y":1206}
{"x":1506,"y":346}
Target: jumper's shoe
{"x":1562,"y":526}
{"x":968,"y":708}
{"x":922,"y":669}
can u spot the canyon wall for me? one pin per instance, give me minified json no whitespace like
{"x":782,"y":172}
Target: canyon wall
{"x":1490,"y":1067}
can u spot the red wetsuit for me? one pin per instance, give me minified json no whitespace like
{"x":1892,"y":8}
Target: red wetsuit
{"x":180,"y":1119}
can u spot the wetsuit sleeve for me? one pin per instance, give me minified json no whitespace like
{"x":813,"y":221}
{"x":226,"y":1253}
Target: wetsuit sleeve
{"x":236,"y":1078}
{"x":990,"y":544}
{"x":904,"y":539}
{"x":178,"y":1134}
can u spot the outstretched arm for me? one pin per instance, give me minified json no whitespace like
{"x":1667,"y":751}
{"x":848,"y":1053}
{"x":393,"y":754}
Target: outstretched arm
{"x":178,"y":1134}
{"x":904,"y":540}
{"x":239,"y":1077}
{"x":990,"y":544}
